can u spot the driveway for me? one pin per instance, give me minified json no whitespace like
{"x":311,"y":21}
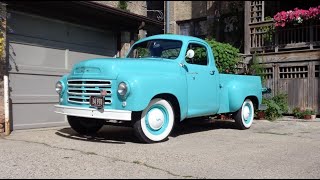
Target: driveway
{"x":201,"y":149}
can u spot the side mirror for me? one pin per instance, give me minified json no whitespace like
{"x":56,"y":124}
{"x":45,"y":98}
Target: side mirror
{"x":190,"y":53}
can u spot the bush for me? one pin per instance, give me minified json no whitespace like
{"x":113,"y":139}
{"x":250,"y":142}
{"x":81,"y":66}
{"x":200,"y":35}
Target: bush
{"x":297,"y":112}
{"x":226,"y":56}
{"x":276,"y":106}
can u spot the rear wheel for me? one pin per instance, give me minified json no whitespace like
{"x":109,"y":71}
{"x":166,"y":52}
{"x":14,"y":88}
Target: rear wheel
{"x":155,"y":122}
{"x":85,"y":126}
{"x":244,"y":116}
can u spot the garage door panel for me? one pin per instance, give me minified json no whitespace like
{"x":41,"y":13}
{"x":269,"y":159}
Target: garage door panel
{"x":26,"y":99}
{"x":15,"y":40}
{"x":34,"y":27}
{"x":28,"y":84}
{"x":75,"y":57}
{"x":21,"y":54}
{"x":36,"y":116}
{"x":91,"y":37}
{"x":57,"y":33}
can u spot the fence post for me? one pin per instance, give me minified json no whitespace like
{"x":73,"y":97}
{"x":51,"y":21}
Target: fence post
{"x":276,"y":39}
{"x":311,"y":36}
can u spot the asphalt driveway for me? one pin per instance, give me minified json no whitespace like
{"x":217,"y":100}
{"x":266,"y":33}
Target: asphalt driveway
{"x":201,"y":149}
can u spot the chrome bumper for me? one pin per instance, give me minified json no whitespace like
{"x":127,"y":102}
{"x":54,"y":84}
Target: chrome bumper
{"x":94,"y":113}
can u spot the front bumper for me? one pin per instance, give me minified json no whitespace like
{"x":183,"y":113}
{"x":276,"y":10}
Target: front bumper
{"x":109,"y":114}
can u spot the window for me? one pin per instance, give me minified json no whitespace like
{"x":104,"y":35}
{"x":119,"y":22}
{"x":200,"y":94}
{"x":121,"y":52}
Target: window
{"x":194,"y":27}
{"x":200,"y":54}
{"x":156,"y":48}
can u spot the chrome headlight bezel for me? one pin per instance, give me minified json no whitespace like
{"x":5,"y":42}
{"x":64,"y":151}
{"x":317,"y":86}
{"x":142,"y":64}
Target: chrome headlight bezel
{"x":59,"y":87}
{"x":123,"y":89}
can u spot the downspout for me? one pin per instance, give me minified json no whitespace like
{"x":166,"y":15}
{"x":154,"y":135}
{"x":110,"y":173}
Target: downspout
{"x":167,"y":17}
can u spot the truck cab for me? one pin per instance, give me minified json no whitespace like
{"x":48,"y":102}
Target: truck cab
{"x":163,"y":80}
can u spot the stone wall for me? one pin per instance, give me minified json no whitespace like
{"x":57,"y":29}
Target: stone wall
{"x":137,"y":7}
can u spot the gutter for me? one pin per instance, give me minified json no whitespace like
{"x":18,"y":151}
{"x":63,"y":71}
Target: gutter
{"x":119,"y":12}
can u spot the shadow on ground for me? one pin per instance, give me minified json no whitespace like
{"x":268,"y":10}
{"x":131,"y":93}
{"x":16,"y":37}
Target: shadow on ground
{"x":121,"y":135}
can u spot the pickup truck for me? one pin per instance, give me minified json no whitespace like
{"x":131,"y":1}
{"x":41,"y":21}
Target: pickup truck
{"x":162,"y":81}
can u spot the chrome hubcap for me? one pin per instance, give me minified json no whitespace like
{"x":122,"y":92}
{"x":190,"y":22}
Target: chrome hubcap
{"x":246,"y":112}
{"x":156,"y":119}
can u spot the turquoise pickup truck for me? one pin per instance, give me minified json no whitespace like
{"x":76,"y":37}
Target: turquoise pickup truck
{"x":163,"y":80}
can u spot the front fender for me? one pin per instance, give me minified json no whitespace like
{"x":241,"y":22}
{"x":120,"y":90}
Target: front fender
{"x":145,"y":86}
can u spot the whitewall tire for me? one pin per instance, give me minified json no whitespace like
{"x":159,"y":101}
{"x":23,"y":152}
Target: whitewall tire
{"x":244,"y":116}
{"x":155,"y":122}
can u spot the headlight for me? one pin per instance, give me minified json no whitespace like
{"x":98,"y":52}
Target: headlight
{"x":122,"y":89}
{"x":59,"y":87}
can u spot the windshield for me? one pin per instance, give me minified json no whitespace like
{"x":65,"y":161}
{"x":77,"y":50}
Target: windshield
{"x":156,"y":48}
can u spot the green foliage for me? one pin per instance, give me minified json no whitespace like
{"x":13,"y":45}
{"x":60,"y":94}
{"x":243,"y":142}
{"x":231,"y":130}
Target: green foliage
{"x":123,"y":5}
{"x":269,"y":30}
{"x":255,"y":68}
{"x":276,"y":106}
{"x":142,"y":52}
{"x":226,"y":56}
{"x":297,"y":112}
{"x":309,"y":112}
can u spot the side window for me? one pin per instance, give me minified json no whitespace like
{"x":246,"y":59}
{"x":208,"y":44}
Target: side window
{"x":200,"y":54}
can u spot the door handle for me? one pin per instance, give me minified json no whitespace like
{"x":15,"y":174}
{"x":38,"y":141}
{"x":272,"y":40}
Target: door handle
{"x":212,"y":72}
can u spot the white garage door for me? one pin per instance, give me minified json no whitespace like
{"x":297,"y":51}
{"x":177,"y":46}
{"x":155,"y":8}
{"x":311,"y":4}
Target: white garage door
{"x":41,"y":50}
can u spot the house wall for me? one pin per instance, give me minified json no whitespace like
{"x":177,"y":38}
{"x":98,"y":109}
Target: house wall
{"x":137,"y":7}
{"x":222,"y":20}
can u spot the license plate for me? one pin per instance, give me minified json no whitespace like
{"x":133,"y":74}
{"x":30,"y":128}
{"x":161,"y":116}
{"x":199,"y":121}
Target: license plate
{"x":97,"y":101}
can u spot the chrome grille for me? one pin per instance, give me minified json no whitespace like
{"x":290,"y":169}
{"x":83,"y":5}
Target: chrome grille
{"x":80,"y":90}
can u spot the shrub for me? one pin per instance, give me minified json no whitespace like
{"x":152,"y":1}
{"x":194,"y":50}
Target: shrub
{"x":123,"y":5}
{"x":276,"y":106}
{"x":297,"y":112}
{"x":226,"y":56}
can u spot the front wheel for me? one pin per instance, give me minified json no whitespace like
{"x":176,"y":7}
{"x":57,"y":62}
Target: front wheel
{"x":244,"y":116}
{"x":155,"y":122}
{"x":85,"y":126}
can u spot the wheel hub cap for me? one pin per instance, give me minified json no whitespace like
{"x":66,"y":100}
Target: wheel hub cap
{"x":246,"y":112}
{"x":156,"y":119}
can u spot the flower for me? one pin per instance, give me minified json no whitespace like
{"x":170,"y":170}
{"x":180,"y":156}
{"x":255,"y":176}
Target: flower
{"x":296,"y":16}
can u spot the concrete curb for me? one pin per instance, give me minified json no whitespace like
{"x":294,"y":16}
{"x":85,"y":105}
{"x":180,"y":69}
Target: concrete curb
{"x":291,"y":118}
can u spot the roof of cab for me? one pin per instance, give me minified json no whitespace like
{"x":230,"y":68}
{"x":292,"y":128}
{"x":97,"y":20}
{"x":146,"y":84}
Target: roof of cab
{"x":172,"y":37}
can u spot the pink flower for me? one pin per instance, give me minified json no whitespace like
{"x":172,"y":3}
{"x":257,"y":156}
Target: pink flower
{"x":296,"y":16}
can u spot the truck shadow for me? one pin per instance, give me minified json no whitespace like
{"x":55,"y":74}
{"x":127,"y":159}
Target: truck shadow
{"x":190,"y":126}
{"x":121,"y":135}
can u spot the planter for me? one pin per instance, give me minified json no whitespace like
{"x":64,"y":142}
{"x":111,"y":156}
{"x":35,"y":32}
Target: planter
{"x":313,"y":116}
{"x":307,"y":117}
{"x":261,"y":115}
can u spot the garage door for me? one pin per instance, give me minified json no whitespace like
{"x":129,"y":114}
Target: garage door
{"x":41,"y":50}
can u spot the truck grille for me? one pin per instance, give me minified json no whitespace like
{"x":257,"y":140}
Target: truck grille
{"x":80,"y":90}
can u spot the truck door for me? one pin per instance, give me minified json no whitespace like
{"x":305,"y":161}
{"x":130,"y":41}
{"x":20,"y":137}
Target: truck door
{"x":202,"y":79}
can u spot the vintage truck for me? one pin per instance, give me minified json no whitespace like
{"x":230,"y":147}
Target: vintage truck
{"x":163,"y":80}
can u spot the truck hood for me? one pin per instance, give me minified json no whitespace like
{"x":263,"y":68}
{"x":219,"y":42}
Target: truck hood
{"x":111,"y":67}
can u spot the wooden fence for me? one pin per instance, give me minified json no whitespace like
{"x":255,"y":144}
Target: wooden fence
{"x":300,"y":80}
